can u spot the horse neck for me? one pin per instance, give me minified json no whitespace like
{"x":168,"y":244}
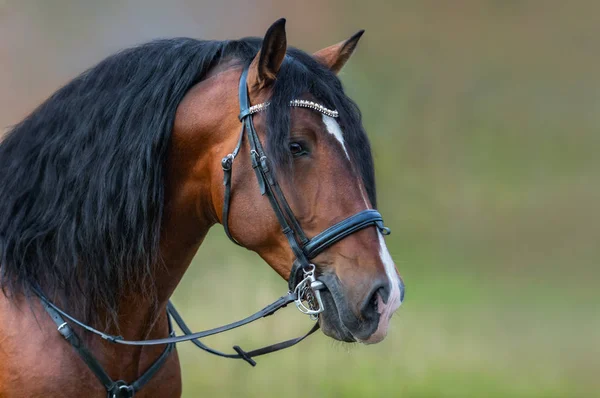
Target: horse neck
{"x":142,"y":316}
{"x":205,"y":119}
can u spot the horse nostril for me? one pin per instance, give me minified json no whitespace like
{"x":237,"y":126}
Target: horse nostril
{"x":375,"y":301}
{"x":371,"y":306}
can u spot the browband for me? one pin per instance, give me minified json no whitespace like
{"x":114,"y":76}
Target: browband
{"x":293,"y":103}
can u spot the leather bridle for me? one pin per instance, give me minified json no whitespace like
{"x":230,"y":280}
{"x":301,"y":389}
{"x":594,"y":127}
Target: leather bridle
{"x":303,"y":248}
{"x":303,"y":285}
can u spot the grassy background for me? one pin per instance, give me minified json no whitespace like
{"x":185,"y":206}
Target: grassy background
{"x":484,"y":118}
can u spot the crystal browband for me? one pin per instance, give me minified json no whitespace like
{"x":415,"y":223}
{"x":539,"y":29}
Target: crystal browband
{"x":296,"y":103}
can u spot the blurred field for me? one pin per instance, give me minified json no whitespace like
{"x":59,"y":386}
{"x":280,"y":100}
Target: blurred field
{"x":485,"y":122}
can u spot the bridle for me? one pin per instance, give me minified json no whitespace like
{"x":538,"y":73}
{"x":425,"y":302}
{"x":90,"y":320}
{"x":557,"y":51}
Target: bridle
{"x":304,"y":288}
{"x":303,"y":248}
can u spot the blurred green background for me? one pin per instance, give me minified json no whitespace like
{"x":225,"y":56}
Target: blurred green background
{"x":484,"y":118}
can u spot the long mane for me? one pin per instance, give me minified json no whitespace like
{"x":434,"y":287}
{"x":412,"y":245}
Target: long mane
{"x":82,"y":177}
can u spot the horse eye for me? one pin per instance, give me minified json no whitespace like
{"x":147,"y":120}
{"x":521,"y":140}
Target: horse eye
{"x":297,"y":149}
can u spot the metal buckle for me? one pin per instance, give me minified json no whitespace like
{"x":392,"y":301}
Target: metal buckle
{"x":122,"y":390}
{"x":227,"y":162}
{"x":62,"y":325}
{"x":308,"y":291}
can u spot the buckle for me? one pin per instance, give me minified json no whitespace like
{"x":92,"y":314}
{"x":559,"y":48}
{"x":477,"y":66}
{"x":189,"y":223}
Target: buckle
{"x":227,"y":162}
{"x":382,"y":228}
{"x":121,"y":390}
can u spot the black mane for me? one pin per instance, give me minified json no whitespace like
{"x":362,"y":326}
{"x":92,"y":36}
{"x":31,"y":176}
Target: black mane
{"x":81,"y":198}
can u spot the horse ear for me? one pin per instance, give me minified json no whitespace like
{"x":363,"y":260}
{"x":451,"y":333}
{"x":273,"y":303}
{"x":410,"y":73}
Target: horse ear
{"x":335,"y":57}
{"x":264,"y":67}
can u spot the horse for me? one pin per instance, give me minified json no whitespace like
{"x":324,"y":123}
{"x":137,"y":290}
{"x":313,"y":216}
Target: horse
{"x":110,"y":186}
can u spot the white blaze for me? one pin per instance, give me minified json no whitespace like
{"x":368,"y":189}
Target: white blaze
{"x":390,"y":271}
{"x":334,"y":129}
{"x":393,"y":302}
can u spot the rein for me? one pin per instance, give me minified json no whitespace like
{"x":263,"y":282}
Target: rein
{"x":304,"y":287}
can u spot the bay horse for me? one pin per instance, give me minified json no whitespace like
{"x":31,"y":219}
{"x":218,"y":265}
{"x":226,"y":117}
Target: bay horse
{"x":109,"y":187}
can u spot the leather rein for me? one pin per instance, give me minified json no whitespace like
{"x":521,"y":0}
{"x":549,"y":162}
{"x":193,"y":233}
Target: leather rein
{"x":304,"y":288}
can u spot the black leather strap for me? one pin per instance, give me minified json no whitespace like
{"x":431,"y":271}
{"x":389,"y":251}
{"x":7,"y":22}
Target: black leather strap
{"x":227,"y":165}
{"x":115,"y":389}
{"x":241,"y":354}
{"x":268,"y":310}
{"x":155,"y":367}
{"x":266,"y":180}
{"x":342,"y":229}
{"x":69,"y":334}
{"x":120,"y":388}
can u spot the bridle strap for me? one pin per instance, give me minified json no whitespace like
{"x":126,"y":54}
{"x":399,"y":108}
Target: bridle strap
{"x":266,"y":180}
{"x":342,"y":229}
{"x":334,"y":234}
{"x":115,"y":389}
{"x":268,"y":310}
{"x":240,"y":354}
{"x":63,"y":327}
{"x":245,"y":117}
{"x":227,"y":165}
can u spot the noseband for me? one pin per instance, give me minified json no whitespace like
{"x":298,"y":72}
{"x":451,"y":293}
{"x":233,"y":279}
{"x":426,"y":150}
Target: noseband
{"x":304,"y":288}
